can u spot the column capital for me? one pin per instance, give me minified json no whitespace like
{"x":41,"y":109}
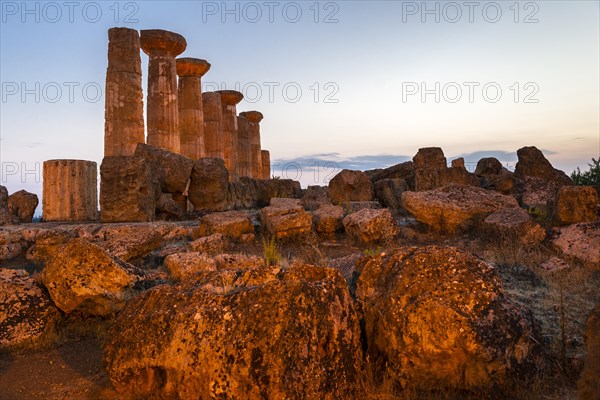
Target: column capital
{"x":230,"y":97}
{"x":252,"y":116}
{"x":158,"y":41}
{"x":193,"y":67}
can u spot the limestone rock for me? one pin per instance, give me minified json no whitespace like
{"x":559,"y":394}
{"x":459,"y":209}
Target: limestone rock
{"x":275,"y":188}
{"x":314,"y":197}
{"x":260,"y":333}
{"x":389,"y":192}
{"x":128,"y":191}
{"x":368,"y":225}
{"x":580,"y":242}
{"x":172,"y":170}
{"x":454,"y":207}
{"x":184,"y":265}
{"x":575,"y":204}
{"x":209,"y":185}
{"x":26,"y":312}
{"x":513,"y":223}
{"x":216,"y":243}
{"x":405,"y":171}
{"x":350,"y":186}
{"x":233,"y":224}
{"x":588,"y":387}
{"x":494,"y":176}
{"x":328,"y":219}
{"x":285,"y":221}
{"x":82,"y":276}
{"x":437,"y":317}
{"x":537,"y":195}
{"x":532,"y":163}
{"x":22,"y":204}
{"x":432,"y":172}
{"x":129,"y":242}
{"x":6,"y":217}
{"x":168,"y":209}
{"x":47,"y":244}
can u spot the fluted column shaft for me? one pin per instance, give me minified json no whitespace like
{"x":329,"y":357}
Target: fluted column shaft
{"x":266,"y":164}
{"x":229,"y":100}
{"x":254,"y":146}
{"x":243,"y":146}
{"x":213,"y":130}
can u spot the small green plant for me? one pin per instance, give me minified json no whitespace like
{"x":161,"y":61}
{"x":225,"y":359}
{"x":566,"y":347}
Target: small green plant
{"x":537,"y":214}
{"x":588,"y":178}
{"x":373,"y":252}
{"x":271,"y":252}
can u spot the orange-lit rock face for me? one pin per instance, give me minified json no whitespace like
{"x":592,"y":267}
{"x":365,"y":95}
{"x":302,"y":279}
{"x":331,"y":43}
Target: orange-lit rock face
{"x":241,"y":332}
{"x":254,"y":157}
{"x":124,"y":105}
{"x":229,"y":100}
{"x":350,"y":186}
{"x":575,"y":204}
{"x":437,"y":317}
{"x":162,"y":113}
{"x":213,"y":125}
{"x":70,"y":190}
{"x":191,"y":116}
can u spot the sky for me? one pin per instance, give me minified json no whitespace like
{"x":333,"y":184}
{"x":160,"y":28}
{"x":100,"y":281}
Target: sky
{"x":342,"y":84}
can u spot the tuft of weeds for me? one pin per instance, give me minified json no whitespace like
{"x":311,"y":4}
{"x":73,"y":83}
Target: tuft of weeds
{"x":271,"y":253}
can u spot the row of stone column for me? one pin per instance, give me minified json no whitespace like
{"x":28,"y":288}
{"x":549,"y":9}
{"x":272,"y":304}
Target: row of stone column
{"x":180,"y":118}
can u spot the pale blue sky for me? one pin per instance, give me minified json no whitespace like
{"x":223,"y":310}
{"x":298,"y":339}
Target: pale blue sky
{"x":364,"y":61}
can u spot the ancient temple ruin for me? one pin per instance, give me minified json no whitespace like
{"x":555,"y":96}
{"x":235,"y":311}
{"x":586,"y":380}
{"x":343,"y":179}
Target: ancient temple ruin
{"x":183,"y":125}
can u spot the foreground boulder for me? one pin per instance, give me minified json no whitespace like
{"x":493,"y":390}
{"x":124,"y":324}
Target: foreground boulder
{"x":437,"y":317}
{"x":129,"y":242}
{"x":328,"y":219}
{"x":22,"y":205}
{"x":6,"y":217}
{"x":258,"y":333}
{"x":454,"y":207}
{"x":26,"y":312}
{"x":209,"y":185}
{"x":511,"y":224}
{"x":233,"y":224}
{"x":389,"y":192}
{"x":575,"y":204}
{"x":533,"y":163}
{"x":350,"y":186}
{"x":285,"y":220}
{"x":370,"y":225}
{"x":128,"y":190}
{"x":588,"y":387}
{"x":84,"y":277}
{"x":579,"y":242}
{"x":172,"y":170}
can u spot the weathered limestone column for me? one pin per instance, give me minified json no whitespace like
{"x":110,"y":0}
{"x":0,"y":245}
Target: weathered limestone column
{"x":162,"y":113}
{"x":124,"y":104}
{"x":229,"y":100}
{"x":191,"y":120}
{"x":70,"y":191}
{"x":213,"y":131}
{"x":243,"y":146}
{"x":265,"y":168}
{"x":255,"y":163}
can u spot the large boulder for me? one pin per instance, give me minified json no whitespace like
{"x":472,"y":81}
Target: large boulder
{"x":328,"y":219}
{"x":128,"y":190}
{"x":209,"y":185}
{"x":129,"y":242}
{"x":256,"y":333}
{"x":350,"y":186}
{"x":369,"y":225}
{"x":389,"y":192}
{"x":494,"y":176}
{"x":182,"y":266}
{"x":588,"y":387}
{"x":511,"y":224}
{"x":22,"y":204}
{"x":532,"y":163}
{"x":438,"y":317}
{"x":579,"y":242}
{"x":285,"y":220}
{"x":26,"y":312}
{"x":575,"y":204}
{"x":172,"y":170}
{"x":11,"y":245}
{"x":432,"y":172}
{"x":454,"y":207}
{"x":6,"y":217}
{"x":233,"y":224}
{"x":315,"y":196}
{"x":84,"y":277}
{"x":404,"y":171}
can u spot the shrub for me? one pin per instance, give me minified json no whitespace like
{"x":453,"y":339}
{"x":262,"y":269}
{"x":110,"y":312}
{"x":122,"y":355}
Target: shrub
{"x":588,"y":178}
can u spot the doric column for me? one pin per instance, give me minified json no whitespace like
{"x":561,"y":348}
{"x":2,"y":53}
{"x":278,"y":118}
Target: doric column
{"x":265,"y":158}
{"x":191,"y":120}
{"x":243,"y":146}
{"x":255,"y":163}
{"x":229,"y":101}
{"x":70,"y":191}
{"x":124,"y":104}
{"x":213,"y":130}
{"x":162,"y":111}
